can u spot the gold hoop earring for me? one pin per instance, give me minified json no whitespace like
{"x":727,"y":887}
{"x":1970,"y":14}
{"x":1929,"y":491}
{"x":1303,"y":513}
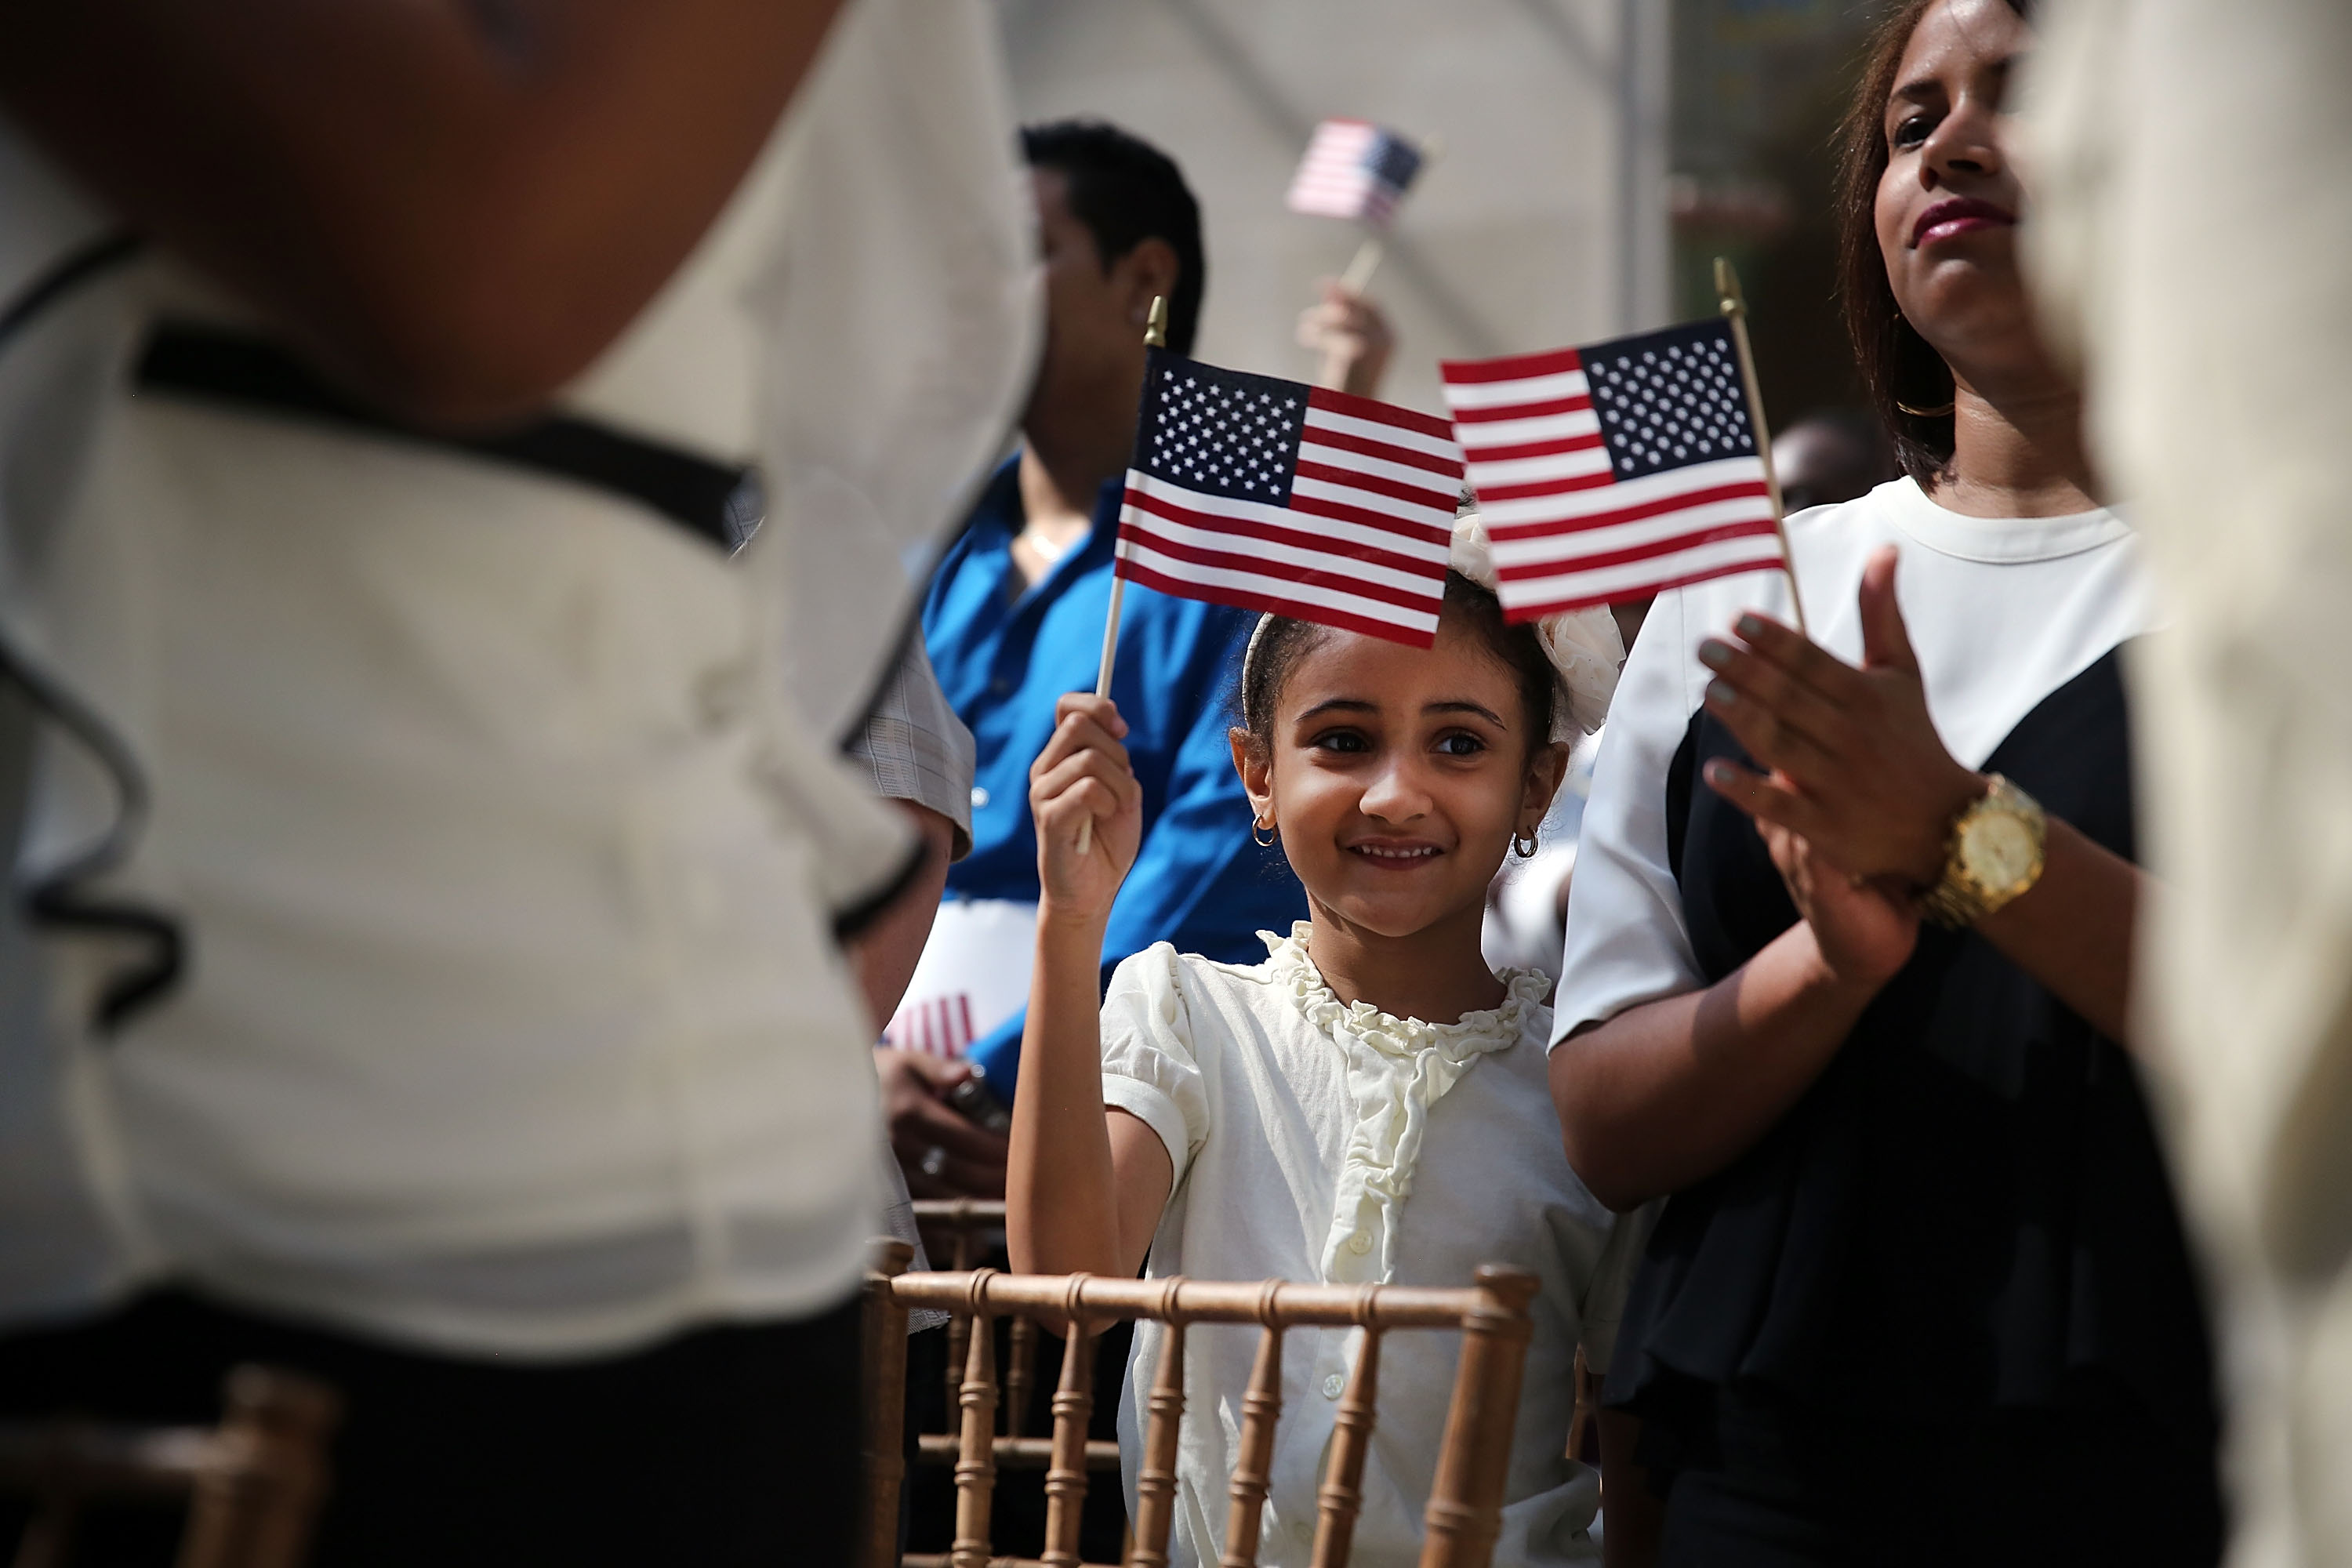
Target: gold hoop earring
{"x":1525,"y":847}
{"x":1273,"y":834}
{"x":1936,"y":412}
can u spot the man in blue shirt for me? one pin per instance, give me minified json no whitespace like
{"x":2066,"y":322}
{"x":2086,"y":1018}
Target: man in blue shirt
{"x":1015,"y":617}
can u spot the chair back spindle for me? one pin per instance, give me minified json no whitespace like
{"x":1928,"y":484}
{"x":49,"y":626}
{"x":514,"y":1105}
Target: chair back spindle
{"x":960,"y":1261}
{"x":1074,"y":1406}
{"x":1465,"y":1502}
{"x":1253,"y":1465}
{"x":1019,"y":1362}
{"x":975,"y":1471}
{"x":1155,"y":1478}
{"x":1342,"y":1496}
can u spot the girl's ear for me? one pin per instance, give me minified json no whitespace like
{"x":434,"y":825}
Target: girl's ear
{"x":1546,"y":766}
{"x":1254,"y":763}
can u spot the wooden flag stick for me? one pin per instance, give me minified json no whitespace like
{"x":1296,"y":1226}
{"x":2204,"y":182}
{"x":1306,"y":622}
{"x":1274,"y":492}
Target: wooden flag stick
{"x":1733,"y":305}
{"x":1155,"y":336}
{"x":1369,"y":255}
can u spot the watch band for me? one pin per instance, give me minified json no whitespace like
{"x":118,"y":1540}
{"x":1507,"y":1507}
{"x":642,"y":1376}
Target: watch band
{"x":1960,"y":898}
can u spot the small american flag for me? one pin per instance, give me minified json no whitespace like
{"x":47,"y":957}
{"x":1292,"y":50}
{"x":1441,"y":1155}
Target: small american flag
{"x":1616,"y":470}
{"x":935,"y":1026}
{"x":1273,"y":495}
{"x":1354,"y":169}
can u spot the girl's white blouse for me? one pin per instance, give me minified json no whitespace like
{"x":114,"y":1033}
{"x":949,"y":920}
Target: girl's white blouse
{"x":1330,"y":1142}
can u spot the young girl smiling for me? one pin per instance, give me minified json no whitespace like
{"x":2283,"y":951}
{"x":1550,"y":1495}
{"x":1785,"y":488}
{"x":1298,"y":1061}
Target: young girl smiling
{"x":1366,"y":1106}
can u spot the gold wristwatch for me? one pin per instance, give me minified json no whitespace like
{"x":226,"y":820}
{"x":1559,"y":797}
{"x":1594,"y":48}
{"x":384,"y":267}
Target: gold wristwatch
{"x":1991,"y":854}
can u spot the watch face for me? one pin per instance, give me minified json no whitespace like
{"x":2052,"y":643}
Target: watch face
{"x":1998,"y":850}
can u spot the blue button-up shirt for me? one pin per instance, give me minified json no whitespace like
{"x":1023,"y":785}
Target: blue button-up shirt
{"x":1199,"y":881}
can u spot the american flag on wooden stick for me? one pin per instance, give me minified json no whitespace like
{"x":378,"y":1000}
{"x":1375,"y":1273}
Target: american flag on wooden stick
{"x":1273,"y":494}
{"x":1615,"y":470}
{"x":1355,"y":170}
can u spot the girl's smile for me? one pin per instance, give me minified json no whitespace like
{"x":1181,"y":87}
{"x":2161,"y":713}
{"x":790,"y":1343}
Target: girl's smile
{"x":1398,"y":852}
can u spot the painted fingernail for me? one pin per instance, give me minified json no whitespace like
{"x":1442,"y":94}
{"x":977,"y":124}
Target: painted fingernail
{"x":1720,"y":693}
{"x":1718,"y":772}
{"x":1749,"y":627}
{"x":1715,"y":655}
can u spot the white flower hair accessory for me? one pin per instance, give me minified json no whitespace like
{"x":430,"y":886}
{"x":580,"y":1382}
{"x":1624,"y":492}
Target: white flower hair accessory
{"x":1586,"y":649}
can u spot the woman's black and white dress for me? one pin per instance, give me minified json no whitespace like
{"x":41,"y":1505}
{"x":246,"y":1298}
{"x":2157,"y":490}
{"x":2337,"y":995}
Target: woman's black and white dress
{"x":1942,"y":1311}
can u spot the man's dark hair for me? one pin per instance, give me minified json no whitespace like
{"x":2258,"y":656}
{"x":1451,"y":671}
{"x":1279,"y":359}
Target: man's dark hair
{"x":1127,"y":190}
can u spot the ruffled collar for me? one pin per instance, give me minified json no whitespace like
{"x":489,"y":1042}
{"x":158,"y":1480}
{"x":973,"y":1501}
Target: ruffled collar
{"x":1397,"y":1072}
{"x":1489,"y":1029}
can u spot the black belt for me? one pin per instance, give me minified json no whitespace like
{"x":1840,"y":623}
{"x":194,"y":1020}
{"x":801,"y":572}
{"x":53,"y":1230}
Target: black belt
{"x":207,"y":362}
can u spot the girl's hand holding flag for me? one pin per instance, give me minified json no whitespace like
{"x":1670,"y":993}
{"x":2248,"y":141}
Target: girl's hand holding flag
{"x":1089,"y":812}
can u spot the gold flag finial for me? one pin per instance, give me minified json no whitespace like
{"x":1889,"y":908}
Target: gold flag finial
{"x":1728,"y":299}
{"x":1155,"y":331}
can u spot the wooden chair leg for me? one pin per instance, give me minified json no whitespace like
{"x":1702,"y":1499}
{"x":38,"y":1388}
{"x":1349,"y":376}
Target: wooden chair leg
{"x":975,"y":1471}
{"x":883,"y":1384}
{"x":1465,"y":1503}
{"x":1342,"y":1495}
{"x":1074,"y":1404}
{"x":1155,"y":1478}
{"x":257,"y":1508}
{"x":1253,"y":1465}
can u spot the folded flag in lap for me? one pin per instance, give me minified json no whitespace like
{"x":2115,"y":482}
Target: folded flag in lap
{"x":1615,"y":470}
{"x":1273,"y":494}
{"x":1354,"y":169}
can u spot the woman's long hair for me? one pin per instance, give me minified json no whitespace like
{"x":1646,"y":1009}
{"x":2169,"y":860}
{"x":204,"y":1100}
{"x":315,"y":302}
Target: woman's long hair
{"x":1899,"y":367}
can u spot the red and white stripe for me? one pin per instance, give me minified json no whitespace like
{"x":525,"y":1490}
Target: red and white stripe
{"x":1568,"y":533}
{"x":1335,"y":179}
{"x":935,"y":1026}
{"x":1360,"y":542}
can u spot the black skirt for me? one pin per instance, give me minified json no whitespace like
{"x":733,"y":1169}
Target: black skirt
{"x":735,"y":1445}
{"x":1950,"y":1284}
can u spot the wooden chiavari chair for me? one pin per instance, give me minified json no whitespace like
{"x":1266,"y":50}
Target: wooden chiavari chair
{"x":1465,"y":1503}
{"x":253,"y":1484}
{"x":961,"y":1233}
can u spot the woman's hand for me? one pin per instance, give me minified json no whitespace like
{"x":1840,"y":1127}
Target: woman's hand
{"x":1866,"y":929}
{"x":1082,"y":778}
{"x":1856,"y":769}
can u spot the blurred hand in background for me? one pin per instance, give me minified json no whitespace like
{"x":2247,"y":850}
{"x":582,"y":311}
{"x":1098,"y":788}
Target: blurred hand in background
{"x":1353,"y":337}
{"x":944,"y":1153}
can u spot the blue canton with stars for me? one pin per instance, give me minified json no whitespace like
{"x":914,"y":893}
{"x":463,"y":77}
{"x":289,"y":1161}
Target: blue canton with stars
{"x":1393,"y":161}
{"x":1666,"y":400}
{"x":1220,"y":432}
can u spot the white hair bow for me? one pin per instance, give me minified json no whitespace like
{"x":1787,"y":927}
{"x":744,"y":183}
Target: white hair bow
{"x":1585,"y":647}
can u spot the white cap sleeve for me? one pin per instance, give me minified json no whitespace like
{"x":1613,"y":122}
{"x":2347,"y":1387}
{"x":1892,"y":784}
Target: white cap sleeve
{"x":1150,"y":1067}
{"x":1626,"y":940}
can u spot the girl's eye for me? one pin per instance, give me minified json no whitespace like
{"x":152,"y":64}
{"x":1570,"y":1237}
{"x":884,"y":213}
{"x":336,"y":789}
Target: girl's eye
{"x":1344,"y":740}
{"x":1910,"y":133}
{"x":1460,"y":744}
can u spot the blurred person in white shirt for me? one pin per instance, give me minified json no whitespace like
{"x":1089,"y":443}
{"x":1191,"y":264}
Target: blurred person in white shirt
{"x":438,"y":842}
